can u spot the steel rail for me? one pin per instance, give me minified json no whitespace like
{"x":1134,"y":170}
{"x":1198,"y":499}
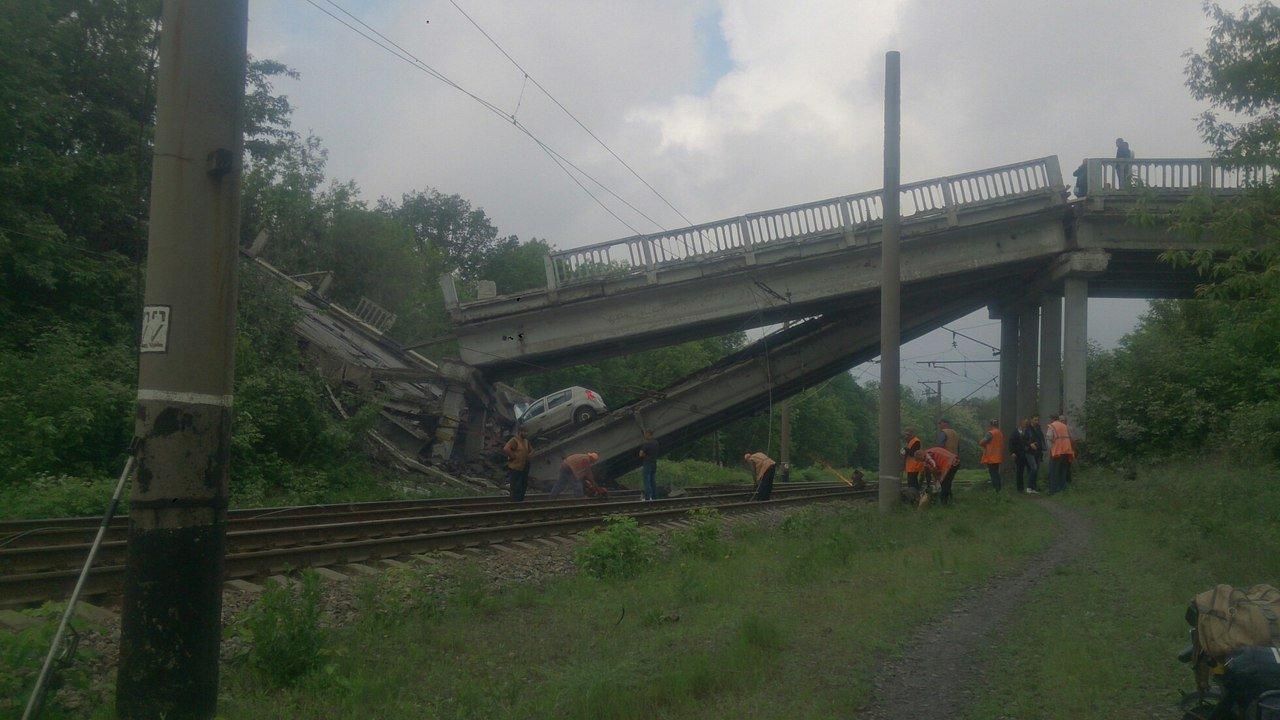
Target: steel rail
{"x":280,"y":532}
{"x":18,"y":589}
{"x":42,"y":526}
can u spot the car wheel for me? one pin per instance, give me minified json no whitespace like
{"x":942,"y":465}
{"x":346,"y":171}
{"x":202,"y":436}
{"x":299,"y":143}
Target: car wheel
{"x":583,"y":415}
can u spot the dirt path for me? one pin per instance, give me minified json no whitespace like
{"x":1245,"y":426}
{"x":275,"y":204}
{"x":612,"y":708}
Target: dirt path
{"x":949,"y":648}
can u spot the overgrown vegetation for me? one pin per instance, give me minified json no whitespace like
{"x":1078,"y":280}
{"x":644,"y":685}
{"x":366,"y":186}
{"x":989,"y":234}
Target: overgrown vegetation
{"x":283,"y":632}
{"x":690,"y":635}
{"x":702,"y":536}
{"x":1100,"y":638}
{"x":21,"y":655}
{"x":618,"y":549}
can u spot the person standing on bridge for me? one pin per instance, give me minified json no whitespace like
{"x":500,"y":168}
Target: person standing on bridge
{"x":1123,"y":169}
{"x":762,"y":470}
{"x":993,"y":452}
{"x":911,"y":464}
{"x":575,"y":473}
{"x":947,"y":437}
{"x":518,"y":450}
{"x":649,"y":466}
{"x":1062,"y":453}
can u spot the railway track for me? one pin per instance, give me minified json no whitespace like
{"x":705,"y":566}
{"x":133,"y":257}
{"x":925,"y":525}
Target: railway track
{"x":41,"y":559}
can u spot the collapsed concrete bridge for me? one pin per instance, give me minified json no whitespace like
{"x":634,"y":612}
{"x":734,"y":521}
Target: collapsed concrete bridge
{"x":1006,"y":237}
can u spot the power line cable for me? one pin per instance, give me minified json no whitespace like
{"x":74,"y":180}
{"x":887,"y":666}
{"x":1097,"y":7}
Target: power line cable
{"x":573,"y":117}
{"x":400,"y":53}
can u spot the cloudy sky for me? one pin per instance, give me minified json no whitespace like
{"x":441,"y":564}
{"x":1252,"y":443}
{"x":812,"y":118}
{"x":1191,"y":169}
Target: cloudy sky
{"x":734,"y":106}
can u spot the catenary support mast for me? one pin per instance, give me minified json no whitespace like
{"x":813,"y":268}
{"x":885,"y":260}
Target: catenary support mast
{"x":171,"y":619}
{"x":890,"y":288}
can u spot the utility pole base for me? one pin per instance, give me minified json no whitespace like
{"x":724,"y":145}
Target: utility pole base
{"x":170,"y":625}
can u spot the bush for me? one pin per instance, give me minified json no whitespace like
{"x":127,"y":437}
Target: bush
{"x":620,"y":549}
{"x":22,"y":654}
{"x":702,"y":537}
{"x":283,"y":629}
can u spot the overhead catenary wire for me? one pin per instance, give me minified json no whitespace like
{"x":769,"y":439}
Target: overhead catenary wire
{"x":397,"y":51}
{"x":570,"y":113}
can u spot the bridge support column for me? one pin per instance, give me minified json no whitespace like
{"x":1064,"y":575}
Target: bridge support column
{"x":1028,"y":347}
{"x":452,"y":407}
{"x":1074,"y":350}
{"x":1050,"y":357}
{"x":1008,"y":382}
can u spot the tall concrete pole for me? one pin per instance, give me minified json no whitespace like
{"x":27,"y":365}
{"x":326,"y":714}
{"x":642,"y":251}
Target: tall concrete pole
{"x":890,"y":288}
{"x":1050,"y":357}
{"x":171,"y":618}
{"x":784,"y":451}
{"x":1075,"y":346}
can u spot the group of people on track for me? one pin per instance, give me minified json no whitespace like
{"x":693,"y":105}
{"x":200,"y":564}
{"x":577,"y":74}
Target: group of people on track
{"x":577,"y":471}
{"x":931,"y":471}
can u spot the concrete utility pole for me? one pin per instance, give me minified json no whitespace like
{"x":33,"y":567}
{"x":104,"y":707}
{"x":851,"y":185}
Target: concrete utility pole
{"x":171,"y":619}
{"x":890,"y":287}
{"x":784,"y":451}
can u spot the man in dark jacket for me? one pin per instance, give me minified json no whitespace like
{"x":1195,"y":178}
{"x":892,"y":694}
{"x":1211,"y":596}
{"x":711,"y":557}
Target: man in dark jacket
{"x":1124,"y":170}
{"x":1021,"y":446}
{"x":1037,"y":435}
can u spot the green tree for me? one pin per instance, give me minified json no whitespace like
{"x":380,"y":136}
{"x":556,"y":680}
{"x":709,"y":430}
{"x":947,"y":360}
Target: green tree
{"x":1237,"y":72}
{"x":1202,"y":371}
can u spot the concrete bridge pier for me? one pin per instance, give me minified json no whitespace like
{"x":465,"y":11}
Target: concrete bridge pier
{"x":1050,"y":357}
{"x":1028,"y":349}
{"x":1009,"y":353}
{"x":1075,"y":345}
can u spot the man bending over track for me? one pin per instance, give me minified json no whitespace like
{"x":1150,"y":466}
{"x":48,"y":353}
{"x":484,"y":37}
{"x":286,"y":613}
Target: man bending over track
{"x":575,"y":473}
{"x":940,"y":466}
{"x":763,"y":469}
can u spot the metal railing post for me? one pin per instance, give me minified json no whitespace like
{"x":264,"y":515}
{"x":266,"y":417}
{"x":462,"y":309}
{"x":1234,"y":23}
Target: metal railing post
{"x":646,"y":249}
{"x":748,"y":250}
{"x":949,"y":203}
{"x":552,"y":279}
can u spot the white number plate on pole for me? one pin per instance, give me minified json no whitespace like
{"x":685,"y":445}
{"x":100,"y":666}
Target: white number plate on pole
{"x":155,"y":329}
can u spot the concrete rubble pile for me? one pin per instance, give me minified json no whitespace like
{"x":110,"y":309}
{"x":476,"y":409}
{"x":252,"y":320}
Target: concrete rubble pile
{"x":437,"y":419}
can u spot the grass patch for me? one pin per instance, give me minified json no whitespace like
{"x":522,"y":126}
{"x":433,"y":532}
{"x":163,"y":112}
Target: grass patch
{"x":777,"y":623}
{"x":1099,"y":639}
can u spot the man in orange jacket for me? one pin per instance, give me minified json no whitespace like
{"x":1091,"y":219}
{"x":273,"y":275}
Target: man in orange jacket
{"x":993,"y":452}
{"x":1062,"y":453}
{"x":939,"y":466}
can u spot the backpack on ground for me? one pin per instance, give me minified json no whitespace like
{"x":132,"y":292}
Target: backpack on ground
{"x":1227,"y":619}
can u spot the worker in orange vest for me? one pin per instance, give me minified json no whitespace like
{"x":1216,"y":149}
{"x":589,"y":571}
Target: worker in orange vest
{"x":993,"y":452}
{"x":912,"y":465}
{"x":939,"y":466}
{"x":576,"y":473}
{"x":1062,"y":453}
{"x":762,"y":469}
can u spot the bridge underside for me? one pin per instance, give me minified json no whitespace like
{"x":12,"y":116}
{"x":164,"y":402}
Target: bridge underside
{"x":1030,"y":256}
{"x":766,"y":372}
